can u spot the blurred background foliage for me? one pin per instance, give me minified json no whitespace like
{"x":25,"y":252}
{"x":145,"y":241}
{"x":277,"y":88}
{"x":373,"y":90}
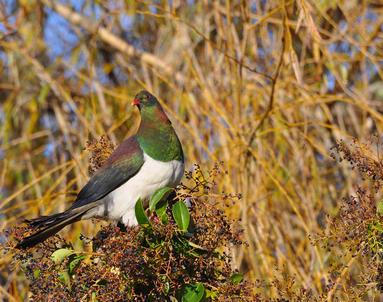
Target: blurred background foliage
{"x":267,"y":87}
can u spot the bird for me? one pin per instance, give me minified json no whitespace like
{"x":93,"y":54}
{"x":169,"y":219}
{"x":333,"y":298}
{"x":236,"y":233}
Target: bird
{"x":143,"y":163}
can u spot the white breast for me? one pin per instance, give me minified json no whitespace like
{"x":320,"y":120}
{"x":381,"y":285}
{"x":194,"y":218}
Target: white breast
{"x":152,"y":176}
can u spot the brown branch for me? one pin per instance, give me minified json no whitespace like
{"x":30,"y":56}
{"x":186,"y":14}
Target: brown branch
{"x":271,"y":98}
{"x":108,"y":37}
{"x":228,"y":56}
{"x":274,"y":80}
{"x":214,"y":45}
{"x":45,"y":77}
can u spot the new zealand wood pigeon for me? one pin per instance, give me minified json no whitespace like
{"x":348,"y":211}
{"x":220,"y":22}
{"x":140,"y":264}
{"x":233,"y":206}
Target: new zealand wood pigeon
{"x":143,"y":163}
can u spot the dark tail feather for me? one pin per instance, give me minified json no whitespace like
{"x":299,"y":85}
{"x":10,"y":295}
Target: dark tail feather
{"x":50,"y":225}
{"x":45,"y":220}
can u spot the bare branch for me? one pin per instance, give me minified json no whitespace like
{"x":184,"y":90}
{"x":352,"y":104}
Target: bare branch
{"x":111,"y":39}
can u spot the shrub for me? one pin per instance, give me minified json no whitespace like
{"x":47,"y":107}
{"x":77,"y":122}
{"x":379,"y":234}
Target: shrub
{"x":178,"y":253}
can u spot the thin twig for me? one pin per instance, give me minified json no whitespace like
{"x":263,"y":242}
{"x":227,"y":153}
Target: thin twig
{"x":331,"y":292}
{"x":271,"y":98}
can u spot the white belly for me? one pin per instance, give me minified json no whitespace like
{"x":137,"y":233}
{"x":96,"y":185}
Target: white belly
{"x":153,"y":175}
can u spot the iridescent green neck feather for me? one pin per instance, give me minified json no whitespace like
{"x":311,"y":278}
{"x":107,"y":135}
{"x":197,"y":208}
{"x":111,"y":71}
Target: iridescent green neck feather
{"x":156,"y":135}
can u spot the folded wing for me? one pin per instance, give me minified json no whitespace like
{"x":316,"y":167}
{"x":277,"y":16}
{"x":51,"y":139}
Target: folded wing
{"x":122,"y":165}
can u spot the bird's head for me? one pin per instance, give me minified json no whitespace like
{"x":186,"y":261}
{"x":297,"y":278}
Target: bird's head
{"x":144,"y":99}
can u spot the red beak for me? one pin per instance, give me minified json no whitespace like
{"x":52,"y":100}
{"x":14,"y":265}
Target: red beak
{"x":135,"y":102}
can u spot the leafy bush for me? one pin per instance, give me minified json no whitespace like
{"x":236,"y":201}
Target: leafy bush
{"x":177,"y":253}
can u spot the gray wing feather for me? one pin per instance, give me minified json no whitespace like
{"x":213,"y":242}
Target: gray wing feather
{"x":123,"y":164}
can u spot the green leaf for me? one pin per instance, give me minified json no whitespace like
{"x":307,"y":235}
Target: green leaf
{"x":59,"y":255}
{"x":74,"y":263}
{"x":166,"y":288}
{"x":36,"y":273}
{"x":379,"y":208}
{"x":157,"y":196}
{"x":236,"y":278}
{"x":193,"y":293}
{"x":161,"y":211}
{"x":140,"y":213}
{"x":181,"y":215}
{"x":94,"y":297}
{"x":64,"y":278}
{"x":375,"y":226}
{"x":43,"y":93}
{"x":212,"y":294}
